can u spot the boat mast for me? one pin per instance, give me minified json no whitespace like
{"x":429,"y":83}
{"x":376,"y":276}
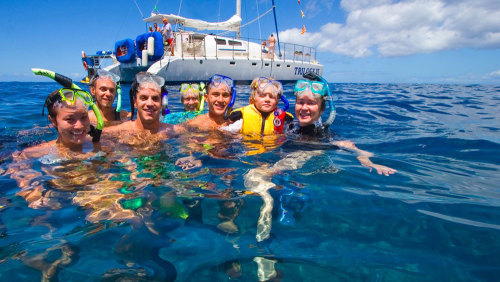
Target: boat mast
{"x":276,"y":25}
{"x":238,"y":12}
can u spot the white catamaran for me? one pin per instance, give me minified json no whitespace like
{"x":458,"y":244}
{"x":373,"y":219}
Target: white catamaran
{"x":198,"y":55}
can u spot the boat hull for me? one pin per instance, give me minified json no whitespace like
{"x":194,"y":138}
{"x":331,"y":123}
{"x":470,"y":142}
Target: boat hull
{"x":178,"y":70}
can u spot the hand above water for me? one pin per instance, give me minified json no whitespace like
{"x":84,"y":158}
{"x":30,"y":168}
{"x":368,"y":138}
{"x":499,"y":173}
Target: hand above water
{"x":382,"y":169}
{"x":188,"y":163}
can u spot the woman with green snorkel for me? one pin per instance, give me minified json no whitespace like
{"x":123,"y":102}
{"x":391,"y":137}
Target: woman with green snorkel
{"x":68,"y":113}
{"x":193,"y":100}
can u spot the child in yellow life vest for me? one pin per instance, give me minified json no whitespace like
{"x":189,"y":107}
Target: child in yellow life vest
{"x":262,"y":117}
{"x":261,"y":122}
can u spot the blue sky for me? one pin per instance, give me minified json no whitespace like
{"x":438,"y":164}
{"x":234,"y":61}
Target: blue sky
{"x":386,"y":41}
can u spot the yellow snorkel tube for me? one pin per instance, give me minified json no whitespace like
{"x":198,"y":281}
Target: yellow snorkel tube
{"x":68,"y":83}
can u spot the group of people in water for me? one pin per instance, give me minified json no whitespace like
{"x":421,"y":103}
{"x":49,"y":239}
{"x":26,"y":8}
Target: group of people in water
{"x":260,"y":121}
{"x":262,"y":117}
{"x":84,"y":134}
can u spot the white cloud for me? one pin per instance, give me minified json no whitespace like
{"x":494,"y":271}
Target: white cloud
{"x":406,"y":27}
{"x":495,"y":73}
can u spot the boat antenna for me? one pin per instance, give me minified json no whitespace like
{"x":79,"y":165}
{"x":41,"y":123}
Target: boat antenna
{"x":276,"y":25}
{"x":139,"y":9}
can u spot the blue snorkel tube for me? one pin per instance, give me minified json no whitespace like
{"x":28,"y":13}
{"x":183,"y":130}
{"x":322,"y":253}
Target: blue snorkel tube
{"x":231,"y":103}
{"x":279,"y":115}
{"x":164,"y":101}
{"x":313,"y":76}
{"x":285,"y":101}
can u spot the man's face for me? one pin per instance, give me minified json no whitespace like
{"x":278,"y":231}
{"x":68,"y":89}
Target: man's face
{"x":218,"y":98}
{"x":148,"y":102}
{"x":104,"y":92}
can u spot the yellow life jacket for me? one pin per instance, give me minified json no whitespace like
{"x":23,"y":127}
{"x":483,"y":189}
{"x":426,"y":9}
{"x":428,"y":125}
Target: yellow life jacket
{"x":254,"y":124}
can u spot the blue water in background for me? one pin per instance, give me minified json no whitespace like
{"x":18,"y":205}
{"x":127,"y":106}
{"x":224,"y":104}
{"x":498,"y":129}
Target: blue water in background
{"x":438,"y":217}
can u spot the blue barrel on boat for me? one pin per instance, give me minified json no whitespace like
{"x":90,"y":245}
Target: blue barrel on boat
{"x":142,"y":42}
{"x":125,"y":50}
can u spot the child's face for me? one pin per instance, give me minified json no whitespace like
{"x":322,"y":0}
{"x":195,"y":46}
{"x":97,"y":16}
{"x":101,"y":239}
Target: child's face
{"x":266,"y":100}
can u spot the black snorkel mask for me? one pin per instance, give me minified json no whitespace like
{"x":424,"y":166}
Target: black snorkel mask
{"x":316,"y":77}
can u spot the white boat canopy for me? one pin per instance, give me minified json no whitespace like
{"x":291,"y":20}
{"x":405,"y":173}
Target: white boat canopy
{"x":233,"y":24}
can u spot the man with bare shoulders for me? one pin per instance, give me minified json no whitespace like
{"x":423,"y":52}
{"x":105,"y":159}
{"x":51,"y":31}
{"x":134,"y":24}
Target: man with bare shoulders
{"x":219,"y":97}
{"x":103,"y":88}
{"x":146,"y":97}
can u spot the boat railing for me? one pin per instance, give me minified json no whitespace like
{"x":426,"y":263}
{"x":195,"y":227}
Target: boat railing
{"x":194,"y":46}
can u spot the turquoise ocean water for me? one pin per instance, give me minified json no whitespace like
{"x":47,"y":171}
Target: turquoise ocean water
{"x":437,"y":218}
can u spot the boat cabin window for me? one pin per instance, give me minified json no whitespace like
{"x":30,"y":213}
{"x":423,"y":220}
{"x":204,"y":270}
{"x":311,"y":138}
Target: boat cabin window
{"x":234,"y":43}
{"x":220,"y":41}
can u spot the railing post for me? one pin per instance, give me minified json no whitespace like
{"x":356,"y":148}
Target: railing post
{"x":284,"y":52}
{"x":205,"y":45}
{"x":182,"y":47}
{"x":294,"y":52}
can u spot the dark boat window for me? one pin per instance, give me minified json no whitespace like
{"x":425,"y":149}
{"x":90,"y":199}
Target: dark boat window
{"x":234,"y":43}
{"x":220,"y":41}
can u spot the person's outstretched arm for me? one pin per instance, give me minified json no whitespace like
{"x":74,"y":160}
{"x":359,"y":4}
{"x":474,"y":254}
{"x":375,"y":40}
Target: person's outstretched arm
{"x":364,"y":157}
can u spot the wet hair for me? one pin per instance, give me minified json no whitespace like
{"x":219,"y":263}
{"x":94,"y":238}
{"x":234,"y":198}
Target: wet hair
{"x":50,"y":101}
{"x":134,"y":88}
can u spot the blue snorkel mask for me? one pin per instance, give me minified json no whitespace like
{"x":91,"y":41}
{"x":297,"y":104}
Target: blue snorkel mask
{"x":216,"y":80}
{"x":315,"y":77}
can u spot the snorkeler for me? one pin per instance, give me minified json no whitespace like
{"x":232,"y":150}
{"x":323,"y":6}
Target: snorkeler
{"x":104,"y":86}
{"x":220,"y":97}
{"x":262,"y":116}
{"x":146,"y":96}
{"x":68,"y":113}
{"x":193,"y":100}
{"x":311,"y":97}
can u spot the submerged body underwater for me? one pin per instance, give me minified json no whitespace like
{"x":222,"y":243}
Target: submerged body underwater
{"x":298,"y":212}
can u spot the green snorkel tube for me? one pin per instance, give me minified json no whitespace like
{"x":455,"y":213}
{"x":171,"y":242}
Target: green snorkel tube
{"x":119,"y":99}
{"x":68,"y":83}
{"x":202,"y":93}
{"x":313,"y":76}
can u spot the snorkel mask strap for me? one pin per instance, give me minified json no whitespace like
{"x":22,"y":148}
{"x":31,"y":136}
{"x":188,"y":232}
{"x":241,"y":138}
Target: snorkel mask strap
{"x":313,"y":76}
{"x":231,"y":104}
{"x":68,"y":83}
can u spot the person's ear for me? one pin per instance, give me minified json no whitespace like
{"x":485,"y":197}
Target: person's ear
{"x":53,"y":121}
